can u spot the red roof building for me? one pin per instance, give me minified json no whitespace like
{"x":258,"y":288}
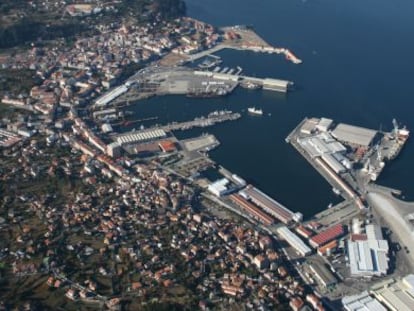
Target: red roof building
{"x":306,"y":233}
{"x":167,"y":146}
{"x":326,"y":236}
{"x":328,"y":248}
{"x":358,"y":237}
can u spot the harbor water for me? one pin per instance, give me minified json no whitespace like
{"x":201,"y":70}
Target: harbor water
{"x":356,"y":69}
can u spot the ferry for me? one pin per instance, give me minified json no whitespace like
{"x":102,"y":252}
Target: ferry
{"x":253,"y":110}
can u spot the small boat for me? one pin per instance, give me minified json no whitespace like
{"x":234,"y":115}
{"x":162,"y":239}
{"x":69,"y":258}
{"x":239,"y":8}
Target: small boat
{"x":255,"y":111}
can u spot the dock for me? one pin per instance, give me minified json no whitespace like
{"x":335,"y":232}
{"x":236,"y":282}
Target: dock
{"x":159,"y":131}
{"x":253,"y":48}
{"x":334,"y":178}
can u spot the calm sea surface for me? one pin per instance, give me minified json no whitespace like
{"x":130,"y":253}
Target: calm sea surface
{"x":357,"y":68}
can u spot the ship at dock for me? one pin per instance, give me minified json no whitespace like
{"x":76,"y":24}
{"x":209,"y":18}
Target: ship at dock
{"x":255,"y":111}
{"x":398,"y":137}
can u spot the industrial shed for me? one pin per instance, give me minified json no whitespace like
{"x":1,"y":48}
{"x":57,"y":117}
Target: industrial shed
{"x":294,"y":241}
{"x":354,"y":135}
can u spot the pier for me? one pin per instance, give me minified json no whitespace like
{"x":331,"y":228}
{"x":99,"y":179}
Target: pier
{"x":159,"y":130}
{"x":212,"y":119}
{"x":253,"y":48}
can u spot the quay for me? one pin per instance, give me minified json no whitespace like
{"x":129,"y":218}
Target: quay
{"x":157,"y":132}
{"x":324,"y":170}
{"x":347,"y":156}
{"x":179,"y":80}
{"x":211,"y":119}
{"x":253,"y":48}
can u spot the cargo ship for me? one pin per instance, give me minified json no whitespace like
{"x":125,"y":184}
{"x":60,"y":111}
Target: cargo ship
{"x":403,"y":135}
{"x":399,"y":136}
{"x":255,"y":111}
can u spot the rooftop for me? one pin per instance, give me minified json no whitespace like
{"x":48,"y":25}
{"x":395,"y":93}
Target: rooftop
{"x":354,"y":134}
{"x":396,"y":295}
{"x":362,"y":302}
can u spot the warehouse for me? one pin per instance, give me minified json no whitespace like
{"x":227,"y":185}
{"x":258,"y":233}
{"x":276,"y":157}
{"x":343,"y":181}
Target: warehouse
{"x":309,"y":126}
{"x":336,"y":166}
{"x":141,"y":136}
{"x":326,"y":236}
{"x":354,"y":135}
{"x":253,"y":211}
{"x":362,"y":302}
{"x":275,"y":85}
{"x":271,"y":206}
{"x":320,"y":144}
{"x":328,"y":248}
{"x":294,"y":241}
{"x":110,"y":96}
{"x":219,"y":187}
{"x":369,"y":257}
{"x":323,"y":275}
{"x":396,"y":295}
{"x":324,"y":124}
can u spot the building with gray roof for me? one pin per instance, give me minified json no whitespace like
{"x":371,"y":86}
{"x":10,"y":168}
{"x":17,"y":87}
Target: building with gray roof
{"x":354,"y":135}
{"x":362,"y":302}
{"x":396,"y":295}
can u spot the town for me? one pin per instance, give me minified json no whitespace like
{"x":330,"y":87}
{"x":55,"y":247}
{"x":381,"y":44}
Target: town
{"x":97,"y":219}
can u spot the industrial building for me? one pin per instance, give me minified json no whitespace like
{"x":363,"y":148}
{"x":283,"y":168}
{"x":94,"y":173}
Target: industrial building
{"x":167,"y":146}
{"x":368,"y":255}
{"x":294,"y":241}
{"x":362,"y":302}
{"x":354,"y":135}
{"x":320,"y":144}
{"x":141,"y":136}
{"x":271,"y":206}
{"x":326,"y":236}
{"x":323,"y":275}
{"x":219,"y":187}
{"x":309,"y":126}
{"x":328,"y":248}
{"x":276,"y":85}
{"x":253,"y":210}
{"x":396,"y":295}
{"x":110,"y":96}
{"x":114,"y":149}
{"x":301,"y":230}
{"x":324,"y":124}
{"x":333,"y":164}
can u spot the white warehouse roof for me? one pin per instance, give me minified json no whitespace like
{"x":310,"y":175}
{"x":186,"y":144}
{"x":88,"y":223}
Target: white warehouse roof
{"x":362,"y":302}
{"x":141,"y":136}
{"x":369,"y":257}
{"x":294,"y":241}
{"x":396,"y":295}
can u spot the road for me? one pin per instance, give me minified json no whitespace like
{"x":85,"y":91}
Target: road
{"x":395,"y":212}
